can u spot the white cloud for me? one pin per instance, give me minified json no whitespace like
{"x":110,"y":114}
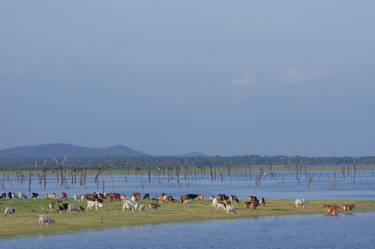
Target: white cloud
{"x":244,"y":81}
{"x":296,"y":76}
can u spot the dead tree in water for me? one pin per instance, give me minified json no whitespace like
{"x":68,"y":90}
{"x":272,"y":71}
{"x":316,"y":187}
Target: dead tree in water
{"x":61,"y":166}
{"x":100,"y":170}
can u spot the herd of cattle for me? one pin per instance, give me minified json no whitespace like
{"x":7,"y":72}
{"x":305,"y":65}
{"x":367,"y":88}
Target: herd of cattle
{"x":96,"y":201}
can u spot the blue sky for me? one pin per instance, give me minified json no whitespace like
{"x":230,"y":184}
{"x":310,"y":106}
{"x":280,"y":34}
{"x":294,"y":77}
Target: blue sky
{"x":165,"y":77}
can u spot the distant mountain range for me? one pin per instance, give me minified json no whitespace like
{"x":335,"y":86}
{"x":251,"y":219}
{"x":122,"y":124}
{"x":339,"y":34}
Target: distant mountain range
{"x":63,"y":149}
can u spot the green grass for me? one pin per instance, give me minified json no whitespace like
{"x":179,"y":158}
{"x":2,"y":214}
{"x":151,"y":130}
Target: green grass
{"x":25,"y":219}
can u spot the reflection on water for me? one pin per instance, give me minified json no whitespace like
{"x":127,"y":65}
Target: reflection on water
{"x":310,"y":231}
{"x":316,"y":184}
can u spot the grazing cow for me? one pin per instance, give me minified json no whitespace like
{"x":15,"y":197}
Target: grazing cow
{"x":63,"y":195}
{"x":91,"y":197}
{"x":73,"y":208}
{"x":227,"y":202}
{"x":222,"y":197}
{"x":146,"y":196}
{"x":154,"y":206}
{"x":22,"y":195}
{"x":94,"y":204}
{"x":77,"y":197}
{"x":184,"y":198}
{"x":114,"y":197}
{"x":142,"y":208}
{"x":8,"y":211}
{"x":348,"y":208}
{"x":233,"y":198}
{"x":300,"y":202}
{"x":51,"y":205}
{"x":231,"y":209}
{"x":3,"y":196}
{"x":251,"y":204}
{"x":187,"y":201}
{"x":81,"y":208}
{"x":331,"y":210}
{"x":171,"y":199}
{"x":221,"y":205}
{"x":63,"y":207}
{"x":129,"y":205}
{"x":136,"y":195}
{"x":45,"y":218}
{"x":34,"y":195}
{"x":262,"y":201}
{"x":200,"y":197}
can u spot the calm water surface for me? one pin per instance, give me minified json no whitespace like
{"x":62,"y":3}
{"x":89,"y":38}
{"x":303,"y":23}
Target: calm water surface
{"x":292,"y":232}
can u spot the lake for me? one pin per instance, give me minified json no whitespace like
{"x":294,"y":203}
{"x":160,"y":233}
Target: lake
{"x":289,"y":232}
{"x":315,"y":184}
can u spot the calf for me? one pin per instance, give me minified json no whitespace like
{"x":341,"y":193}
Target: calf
{"x":348,"y":208}
{"x":50,"y":196}
{"x":8,"y":211}
{"x":45,"y":218}
{"x":94,"y":204}
{"x":251,"y":204}
{"x":73,"y":208}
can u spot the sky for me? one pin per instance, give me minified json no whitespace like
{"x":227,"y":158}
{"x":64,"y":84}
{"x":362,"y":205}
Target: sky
{"x":169,"y":77}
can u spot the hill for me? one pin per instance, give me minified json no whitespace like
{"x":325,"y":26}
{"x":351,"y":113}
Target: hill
{"x":63,"y":149}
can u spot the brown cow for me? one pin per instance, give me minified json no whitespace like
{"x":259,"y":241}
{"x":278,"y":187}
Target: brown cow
{"x":331,"y":210}
{"x":200,"y":197}
{"x":146,"y":196}
{"x":122,"y":197}
{"x":184,"y":198}
{"x":63,"y":195}
{"x":348,"y":208}
{"x":114,"y":197}
{"x":162,"y":197}
{"x":50,"y":196}
{"x":251,"y":204}
{"x":154,"y":206}
{"x":171,"y":199}
{"x":222,"y":197}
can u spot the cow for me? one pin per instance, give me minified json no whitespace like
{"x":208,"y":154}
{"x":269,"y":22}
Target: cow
{"x":251,"y":204}
{"x":114,"y":197}
{"x":171,"y":199}
{"x":214,"y":202}
{"x":200,"y":197}
{"x":192,"y":196}
{"x":184,"y":198}
{"x":45,"y":218}
{"x":129,"y":205}
{"x":300,"y":202}
{"x":22,"y":195}
{"x":222,"y":197}
{"x":161,"y":196}
{"x":221,"y":205}
{"x":227,"y":202}
{"x":34,"y":195}
{"x":154,"y":206}
{"x":3,"y":196}
{"x":233,"y":198}
{"x":262,"y":201}
{"x":50,"y":196}
{"x":8,"y":211}
{"x":63,"y":207}
{"x":12,"y":195}
{"x":331,"y":210}
{"x":146,"y":196}
{"x":94,"y":204}
{"x":348,"y":208}
{"x":90,"y":197}
{"x":63,"y":195}
{"x":73,"y":208}
{"x":230,"y":209}
{"x":77,"y":197}
{"x":212,"y":197}
{"x":81,"y":208}
{"x":136,"y":195}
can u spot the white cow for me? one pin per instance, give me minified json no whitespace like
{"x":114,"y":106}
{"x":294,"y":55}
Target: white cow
{"x":73,"y":208}
{"x":142,"y":208}
{"x":214,"y":202}
{"x":129,"y":205}
{"x":78,"y":197}
{"x":299,"y":202}
{"x":45,"y":218}
{"x":94,"y":204}
{"x":8,"y":211}
{"x":231,"y":209}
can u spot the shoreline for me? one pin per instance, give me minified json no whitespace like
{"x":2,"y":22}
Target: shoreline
{"x":25,"y":220}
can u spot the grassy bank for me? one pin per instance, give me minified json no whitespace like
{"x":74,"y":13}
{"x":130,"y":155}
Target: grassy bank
{"x":25,"y":219}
